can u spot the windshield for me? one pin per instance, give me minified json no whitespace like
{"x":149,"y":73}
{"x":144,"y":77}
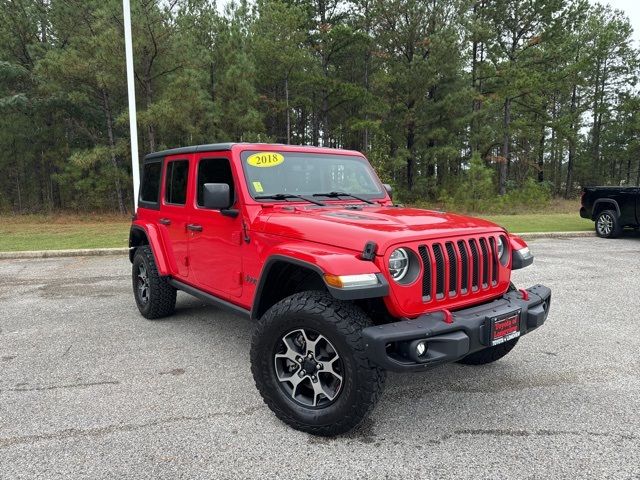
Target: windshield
{"x":272,"y":173}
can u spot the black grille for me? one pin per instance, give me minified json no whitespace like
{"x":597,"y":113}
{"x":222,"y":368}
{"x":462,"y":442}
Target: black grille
{"x":464,"y":267}
{"x":485,"y":263}
{"x":494,"y":256}
{"x":439,"y":256}
{"x":453,"y":268}
{"x":426,"y":276}
{"x":475,"y":274}
{"x":458,"y":264}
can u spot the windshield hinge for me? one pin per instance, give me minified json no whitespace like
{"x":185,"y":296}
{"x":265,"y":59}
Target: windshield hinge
{"x":245,"y":233}
{"x":369,"y":252}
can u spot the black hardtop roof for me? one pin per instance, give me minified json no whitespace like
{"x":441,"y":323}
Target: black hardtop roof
{"x":211,"y":147}
{"x":214,"y":147}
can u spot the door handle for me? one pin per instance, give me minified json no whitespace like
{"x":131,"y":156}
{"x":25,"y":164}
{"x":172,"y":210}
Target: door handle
{"x":194,"y":228}
{"x":165,"y":221}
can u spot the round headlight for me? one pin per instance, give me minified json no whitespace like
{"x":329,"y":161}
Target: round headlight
{"x":500,"y":247}
{"x":503,"y":251}
{"x":398,"y":264}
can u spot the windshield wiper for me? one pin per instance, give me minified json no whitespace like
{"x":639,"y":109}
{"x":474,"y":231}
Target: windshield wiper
{"x":343,"y":194}
{"x":284,"y":196}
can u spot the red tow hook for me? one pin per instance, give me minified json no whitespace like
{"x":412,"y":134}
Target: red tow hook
{"x":525,"y":294}
{"x":448,"y":317}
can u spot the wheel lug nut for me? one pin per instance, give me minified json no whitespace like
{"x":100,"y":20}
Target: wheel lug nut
{"x":314,"y":379}
{"x":301,"y":373}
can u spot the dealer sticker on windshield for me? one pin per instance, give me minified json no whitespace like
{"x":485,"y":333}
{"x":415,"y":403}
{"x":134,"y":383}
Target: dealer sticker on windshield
{"x":505,"y":328}
{"x":265,"y":159}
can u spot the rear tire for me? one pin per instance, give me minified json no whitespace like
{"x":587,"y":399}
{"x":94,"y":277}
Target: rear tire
{"x":309,"y":365}
{"x":608,"y":224}
{"x":154,"y":296}
{"x":489,"y":355}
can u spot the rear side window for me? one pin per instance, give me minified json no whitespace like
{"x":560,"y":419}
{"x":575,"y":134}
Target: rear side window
{"x":150,"y":190}
{"x":175,"y":191}
{"x":214,"y":170}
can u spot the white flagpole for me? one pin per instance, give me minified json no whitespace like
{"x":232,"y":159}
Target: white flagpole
{"x":128,"y":46}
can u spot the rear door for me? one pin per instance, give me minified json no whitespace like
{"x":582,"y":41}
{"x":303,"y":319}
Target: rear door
{"x":174,"y":216}
{"x":627,"y":202}
{"x":215,"y":247}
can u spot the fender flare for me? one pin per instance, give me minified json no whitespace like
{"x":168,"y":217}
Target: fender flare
{"x":521,"y":257}
{"x":154,"y":240}
{"x":380,"y":290}
{"x":605,"y":200}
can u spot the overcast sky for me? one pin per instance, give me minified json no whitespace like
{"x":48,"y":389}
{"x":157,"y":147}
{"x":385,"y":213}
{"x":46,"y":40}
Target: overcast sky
{"x":632,"y":9}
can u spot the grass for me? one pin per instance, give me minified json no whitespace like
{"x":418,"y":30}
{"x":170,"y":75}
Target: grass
{"x":60,"y":232}
{"x":539,"y":222}
{"x":39,"y":232}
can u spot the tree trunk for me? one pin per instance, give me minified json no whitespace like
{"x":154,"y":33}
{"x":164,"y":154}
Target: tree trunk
{"x":151,"y":129}
{"x":286,"y":96}
{"x":543,"y":128}
{"x":504,"y":161}
{"x":112,"y":145}
{"x":326,"y":130}
{"x":572,"y":144}
{"x":411,"y":138}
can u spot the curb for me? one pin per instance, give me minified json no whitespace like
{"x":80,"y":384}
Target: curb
{"x":92,"y":252}
{"x":537,"y":235}
{"x":83,"y":252}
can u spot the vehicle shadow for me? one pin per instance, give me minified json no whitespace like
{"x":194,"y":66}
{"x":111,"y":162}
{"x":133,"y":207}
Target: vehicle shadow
{"x":630,"y":233}
{"x":431,"y":394}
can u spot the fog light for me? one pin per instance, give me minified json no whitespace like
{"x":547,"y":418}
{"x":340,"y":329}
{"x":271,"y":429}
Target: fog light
{"x":421,"y":349}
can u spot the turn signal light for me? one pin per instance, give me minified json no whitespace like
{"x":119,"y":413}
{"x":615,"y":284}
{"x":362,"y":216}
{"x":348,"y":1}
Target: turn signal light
{"x":352,"y":281}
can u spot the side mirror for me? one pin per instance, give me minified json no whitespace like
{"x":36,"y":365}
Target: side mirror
{"x":389,"y":190}
{"x":216,"y":196}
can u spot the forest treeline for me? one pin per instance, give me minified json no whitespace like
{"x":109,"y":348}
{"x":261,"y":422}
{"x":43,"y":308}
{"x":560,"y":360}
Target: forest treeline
{"x":456,"y":101}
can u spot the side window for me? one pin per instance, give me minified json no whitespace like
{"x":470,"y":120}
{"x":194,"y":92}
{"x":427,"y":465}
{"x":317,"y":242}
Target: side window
{"x":150,"y":189}
{"x":214,"y":170}
{"x":175,"y":190}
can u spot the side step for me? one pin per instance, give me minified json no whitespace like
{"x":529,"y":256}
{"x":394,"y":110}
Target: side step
{"x":210,"y":299}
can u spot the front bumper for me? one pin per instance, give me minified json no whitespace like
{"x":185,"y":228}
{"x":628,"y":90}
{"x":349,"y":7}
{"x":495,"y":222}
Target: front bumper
{"x":469,"y":331}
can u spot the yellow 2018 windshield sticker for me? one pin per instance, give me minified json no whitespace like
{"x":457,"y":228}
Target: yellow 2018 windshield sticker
{"x":257,"y":186}
{"x":265,"y":159}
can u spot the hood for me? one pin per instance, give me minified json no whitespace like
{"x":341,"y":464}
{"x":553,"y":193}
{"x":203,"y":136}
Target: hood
{"x":385,"y":225}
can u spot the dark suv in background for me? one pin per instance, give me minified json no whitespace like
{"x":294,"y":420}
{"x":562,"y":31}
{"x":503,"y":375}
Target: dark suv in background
{"x":612,"y":209}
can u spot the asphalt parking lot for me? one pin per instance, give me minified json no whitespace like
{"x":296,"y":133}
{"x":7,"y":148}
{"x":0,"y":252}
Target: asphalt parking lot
{"x":89,"y":389}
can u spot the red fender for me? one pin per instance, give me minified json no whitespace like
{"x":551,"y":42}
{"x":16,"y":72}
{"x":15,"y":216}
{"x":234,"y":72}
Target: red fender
{"x":156,"y":243}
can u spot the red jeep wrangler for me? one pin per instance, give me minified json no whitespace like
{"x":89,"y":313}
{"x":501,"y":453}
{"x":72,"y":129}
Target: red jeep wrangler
{"x":342,"y":283}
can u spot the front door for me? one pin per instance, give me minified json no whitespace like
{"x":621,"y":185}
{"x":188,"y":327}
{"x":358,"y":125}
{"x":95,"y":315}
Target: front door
{"x":174,"y":215}
{"x":215,"y":247}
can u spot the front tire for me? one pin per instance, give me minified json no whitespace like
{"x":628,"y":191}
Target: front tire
{"x":309,"y":365}
{"x":608,"y":224}
{"x":154,"y":296}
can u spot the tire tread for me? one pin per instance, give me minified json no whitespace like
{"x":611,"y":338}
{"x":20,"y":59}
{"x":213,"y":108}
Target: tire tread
{"x":162,"y":301}
{"x":349,"y":321}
